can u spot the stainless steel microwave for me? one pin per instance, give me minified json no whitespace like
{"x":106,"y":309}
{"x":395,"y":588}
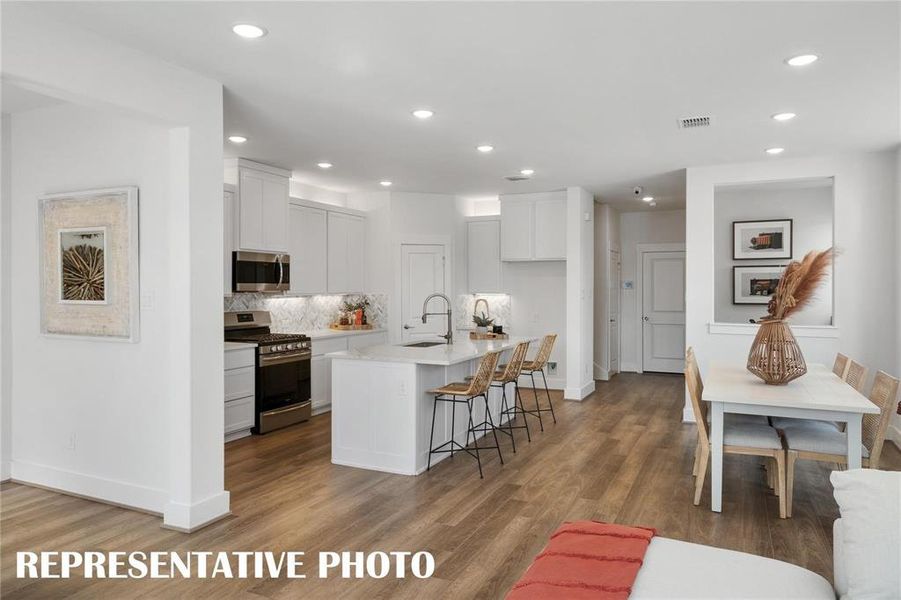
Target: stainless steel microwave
{"x":260,"y":272}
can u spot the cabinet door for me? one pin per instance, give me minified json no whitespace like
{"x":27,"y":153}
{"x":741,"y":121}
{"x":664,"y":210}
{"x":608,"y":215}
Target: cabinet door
{"x":516,"y":229}
{"x":346,"y":239}
{"x":484,"y":256}
{"x":320,"y":382}
{"x":275,"y":213}
{"x":550,"y":229}
{"x":228,"y":239}
{"x":250,"y":212}
{"x":307,"y":247}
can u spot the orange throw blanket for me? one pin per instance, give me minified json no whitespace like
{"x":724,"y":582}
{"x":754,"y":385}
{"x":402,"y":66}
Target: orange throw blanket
{"x":585,"y":560}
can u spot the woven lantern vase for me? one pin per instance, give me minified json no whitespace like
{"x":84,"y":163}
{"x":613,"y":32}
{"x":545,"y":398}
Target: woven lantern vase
{"x":775,"y":355}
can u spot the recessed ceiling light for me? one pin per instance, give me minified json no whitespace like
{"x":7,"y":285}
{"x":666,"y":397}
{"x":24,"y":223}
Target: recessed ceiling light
{"x":802,"y":60}
{"x":237,"y":139}
{"x":527,"y":172}
{"x":652,"y":204}
{"x":786,"y":116}
{"x":423,"y":113}
{"x":385,"y":183}
{"x":324,"y":165}
{"x":484,"y":148}
{"x":648,"y":198}
{"x":246,"y":30}
{"x":775,"y":150}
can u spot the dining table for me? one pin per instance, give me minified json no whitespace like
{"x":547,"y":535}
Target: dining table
{"x":820,"y":394}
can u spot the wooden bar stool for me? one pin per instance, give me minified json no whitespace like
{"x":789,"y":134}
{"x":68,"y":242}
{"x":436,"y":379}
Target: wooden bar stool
{"x":537,"y":365}
{"x":466,"y":393}
{"x":505,"y":375}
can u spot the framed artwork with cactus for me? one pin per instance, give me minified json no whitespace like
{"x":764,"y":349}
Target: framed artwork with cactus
{"x":89,"y":264}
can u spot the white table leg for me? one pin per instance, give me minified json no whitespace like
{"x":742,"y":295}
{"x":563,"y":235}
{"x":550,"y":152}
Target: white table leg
{"x":716,"y":457}
{"x":854,"y":440}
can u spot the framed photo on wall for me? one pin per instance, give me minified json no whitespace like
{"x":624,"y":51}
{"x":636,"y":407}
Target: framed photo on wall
{"x":770,"y":239}
{"x":755,"y":284}
{"x":89,"y":264}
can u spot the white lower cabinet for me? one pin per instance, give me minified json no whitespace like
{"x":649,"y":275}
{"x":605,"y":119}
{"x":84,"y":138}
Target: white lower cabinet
{"x":240,"y":391}
{"x":321,"y":367}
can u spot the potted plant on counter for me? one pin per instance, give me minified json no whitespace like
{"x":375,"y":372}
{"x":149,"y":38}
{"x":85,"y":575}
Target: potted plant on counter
{"x":482,"y":322}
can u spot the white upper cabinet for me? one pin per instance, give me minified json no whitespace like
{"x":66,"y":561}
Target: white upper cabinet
{"x":307,"y":247}
{"x":550,"y":229}
{"x":533,"y":226}
{"x":483,"y":241}
{"x":346,"y":253}
{"x":517,"y":219}
{"x":228,"y":237}
{"x":262,"y":205}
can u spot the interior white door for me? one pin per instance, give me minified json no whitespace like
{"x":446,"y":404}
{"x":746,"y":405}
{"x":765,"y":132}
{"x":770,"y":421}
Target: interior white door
{"x":613,"y":305}
{"x":423,"y":273}
{"x":663,"y":311}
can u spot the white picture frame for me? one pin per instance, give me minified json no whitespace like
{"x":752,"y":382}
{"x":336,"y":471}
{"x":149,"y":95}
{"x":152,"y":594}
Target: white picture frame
{"x":755,"y":284}
{"x":769,"y":239}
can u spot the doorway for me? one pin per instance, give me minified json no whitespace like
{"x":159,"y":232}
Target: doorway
{"x":662,"y":307}
{"x":423,"y":272}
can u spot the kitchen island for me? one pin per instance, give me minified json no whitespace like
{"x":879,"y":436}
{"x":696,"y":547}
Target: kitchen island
{"x":381,"y":408}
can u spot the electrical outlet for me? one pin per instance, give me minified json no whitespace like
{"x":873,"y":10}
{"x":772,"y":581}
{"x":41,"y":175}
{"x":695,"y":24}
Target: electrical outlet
{"x":552,"y":368}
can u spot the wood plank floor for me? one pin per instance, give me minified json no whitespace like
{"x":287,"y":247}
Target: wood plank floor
{"x":622,"y":455}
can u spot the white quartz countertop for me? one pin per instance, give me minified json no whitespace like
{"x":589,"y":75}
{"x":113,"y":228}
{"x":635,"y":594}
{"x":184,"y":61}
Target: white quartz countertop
{"x":321,"y":334}
{"x":462,"y":350}
{"x":238,"y":346}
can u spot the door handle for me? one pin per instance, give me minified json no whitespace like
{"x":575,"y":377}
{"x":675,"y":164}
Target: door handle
{"x":645,"y":319}
{"x":408,"y":327}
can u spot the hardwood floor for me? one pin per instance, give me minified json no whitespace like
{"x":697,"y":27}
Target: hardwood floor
{"x":622,"y":455}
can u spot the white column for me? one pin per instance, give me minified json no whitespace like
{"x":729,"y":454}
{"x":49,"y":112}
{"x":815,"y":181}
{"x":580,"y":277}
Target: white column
{"x":5,"y":316}
{"x":579,"y":293}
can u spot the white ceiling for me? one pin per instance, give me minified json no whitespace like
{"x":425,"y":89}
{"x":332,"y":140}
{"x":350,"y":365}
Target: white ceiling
{"x":14,"y":99}
{"x":585,"y":93}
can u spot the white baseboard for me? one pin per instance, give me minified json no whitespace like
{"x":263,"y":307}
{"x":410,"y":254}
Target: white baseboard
{"x":191,"y":517}
{"x":688,"y":416}
{"x":628,"y":367}
{"x":579,"y":393}
{"x":554,"y":383}
{"x":5,"y":471}
{"x":120,"y":493}
{"x":601,"y":374}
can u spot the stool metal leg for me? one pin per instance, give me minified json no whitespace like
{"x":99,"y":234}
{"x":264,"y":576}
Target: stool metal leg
{"x":537,"y":405}
{"x":432,"y":434}
{"x":475,"y":440}
{"x":548,"y":392}
{"x":453,"y":419}
{"x":505,"y":409}
{"x":522,"y":411}
{"x":493,"y":428}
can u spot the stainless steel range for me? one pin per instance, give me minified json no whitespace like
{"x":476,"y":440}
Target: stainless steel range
{"x":282,"y":369}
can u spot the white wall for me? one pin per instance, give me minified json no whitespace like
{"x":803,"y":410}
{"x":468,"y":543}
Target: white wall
{"x":606,"y":238}
{"x":579,"y":294}
{"x":5,"y":315}
{"x":646,"y":227}
{"x":810,"y":208}
{"x":895,"y":429}
{"x":866,"y":301}
{"x":179,"y":470}
{"x":306,"y":191}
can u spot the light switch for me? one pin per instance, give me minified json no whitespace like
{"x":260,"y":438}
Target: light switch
{"x":148,"y":299}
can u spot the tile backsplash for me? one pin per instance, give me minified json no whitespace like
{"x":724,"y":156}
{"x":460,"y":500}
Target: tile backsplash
{"x":301,"y":314}
{"x":498,"y":309}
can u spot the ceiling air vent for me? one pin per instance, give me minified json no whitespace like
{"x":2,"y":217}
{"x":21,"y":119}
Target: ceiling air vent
{"x":692,"y":122}
{"x":516,"y":177}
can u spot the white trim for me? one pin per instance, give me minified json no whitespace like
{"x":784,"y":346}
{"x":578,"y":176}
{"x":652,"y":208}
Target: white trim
{"x":629,"y":367}
{"x":243,"y":163}
{"x":750,"y":329}
{"x":640,"y":250}
{"x":579,"y":393}
{"x":553,"y":383}
{"x":120,"y":493}
{"x":601,"y":373}
{"x":185,"y":517}
{"x":326,"y":207}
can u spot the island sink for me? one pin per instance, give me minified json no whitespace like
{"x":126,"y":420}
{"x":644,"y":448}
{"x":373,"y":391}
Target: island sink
{"x":424,"y":344}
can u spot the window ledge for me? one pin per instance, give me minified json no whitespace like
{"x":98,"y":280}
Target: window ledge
{"x":750,"y":329}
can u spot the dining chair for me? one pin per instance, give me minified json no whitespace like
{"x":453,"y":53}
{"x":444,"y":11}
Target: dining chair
{"x":747,"y":438}
{"x":824,"y":443}
{"x":841,"y":364}
{"x":856,"y":375}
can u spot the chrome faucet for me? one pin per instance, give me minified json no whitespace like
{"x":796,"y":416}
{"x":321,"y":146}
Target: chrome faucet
{"x":449,"y":336}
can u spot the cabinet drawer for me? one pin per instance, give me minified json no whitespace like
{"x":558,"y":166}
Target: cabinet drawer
{"x":327,"y":345}
{"x":239,"y":414}
{"x":362,"y":341}
{"x":240,"y":358}
{"x":239,"y":383}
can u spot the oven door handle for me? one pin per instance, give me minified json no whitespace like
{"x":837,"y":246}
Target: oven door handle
{"x":281,"y":270}
{"x":278,"y":359}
